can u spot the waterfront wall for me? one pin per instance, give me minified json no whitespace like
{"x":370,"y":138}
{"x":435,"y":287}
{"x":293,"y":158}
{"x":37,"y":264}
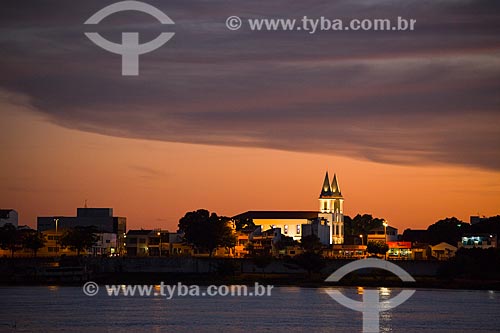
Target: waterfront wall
{"x":190,"y":265}
{"x":73,"y":269}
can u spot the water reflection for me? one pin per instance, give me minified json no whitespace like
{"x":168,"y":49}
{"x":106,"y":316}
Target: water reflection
{"x":289,"y":310}
{"x":291,"y":289}
{"x":385,"y":293}
{"x":53,"y":288}
{"x":386,"y":321}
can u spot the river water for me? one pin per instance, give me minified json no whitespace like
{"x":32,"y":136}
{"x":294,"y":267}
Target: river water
{"x":288,"y":309}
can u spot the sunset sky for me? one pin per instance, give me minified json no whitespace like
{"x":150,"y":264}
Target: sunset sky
{"x":233,"y":121}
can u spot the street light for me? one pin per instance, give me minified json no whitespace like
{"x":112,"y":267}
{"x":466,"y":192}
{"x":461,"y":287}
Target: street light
{"x":362,"y":242}
{"x":159,"y":235}
{"x":57,"y":236}
{"x":56,"y":222}
{"x":385,"y":235}
{"x":385,"y":230}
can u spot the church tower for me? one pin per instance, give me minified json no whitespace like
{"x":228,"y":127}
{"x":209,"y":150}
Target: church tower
{"x":331,"y":208}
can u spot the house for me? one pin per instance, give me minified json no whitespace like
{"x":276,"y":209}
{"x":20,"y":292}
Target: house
{"x":264,"y":242}
{"x":156,"y":242}
{"x":106,"y":245}
{"x":241,"y":247}
{"x":342,"y":251}
{"x":319,"y":228}
{"x":137,"y":242}
{"x":383,"y":234}
{"x":399,"y":250}
{"x":420,"y":251}
{"x":443,"y":251}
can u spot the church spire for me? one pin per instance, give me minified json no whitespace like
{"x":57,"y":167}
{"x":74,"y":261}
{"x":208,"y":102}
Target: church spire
{"x":335,"y":188}
{"x":326,"y":190}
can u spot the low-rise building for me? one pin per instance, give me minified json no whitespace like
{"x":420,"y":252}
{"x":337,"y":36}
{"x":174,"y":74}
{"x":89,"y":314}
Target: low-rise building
{"x":443,"y":251}
{"x":137,"y":242}
{"x":420,"y":251}
{"x":383,"y":234}
{"x":241,"y":247}
{"x":481,"y":241}
{"x":339,"y":251}
{"x":318,"y":227}
{"x":100,"y":218}
{"x":477,"y":219}
{"x":8,"y":216}
{"x":264,"y":242}
{"x":399,"y":250}
{"x":106,"y":245}
{"x":156,"y":242}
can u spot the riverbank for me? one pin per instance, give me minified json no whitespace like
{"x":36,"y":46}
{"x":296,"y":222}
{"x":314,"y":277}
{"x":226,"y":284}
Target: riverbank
{"x":207,"y":271}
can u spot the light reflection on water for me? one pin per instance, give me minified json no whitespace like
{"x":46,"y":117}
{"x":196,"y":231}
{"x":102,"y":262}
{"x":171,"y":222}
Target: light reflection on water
{"x":289,"y":309}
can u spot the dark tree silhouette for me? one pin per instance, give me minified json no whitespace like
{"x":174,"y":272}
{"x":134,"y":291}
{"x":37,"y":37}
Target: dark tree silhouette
{"x":448,"y":230}
{"x":361,"y":224}
{"x":33,"y":240}
{"x":79,"y":238}
{"x":10,"y":238}
{"x":311,"y":243}
{"x":245,"y":224}
{"x":207,"y":231}
{"x":377,"y":247}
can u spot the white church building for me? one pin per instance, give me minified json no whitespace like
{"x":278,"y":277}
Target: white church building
{"x":327,"y":223}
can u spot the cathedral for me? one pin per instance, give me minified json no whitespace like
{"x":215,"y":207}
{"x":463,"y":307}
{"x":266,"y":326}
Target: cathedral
{"x":327,"y":223}
{"x":331,"y":208}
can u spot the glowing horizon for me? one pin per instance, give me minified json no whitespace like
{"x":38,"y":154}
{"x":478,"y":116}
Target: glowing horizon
{"x":154,"y":183}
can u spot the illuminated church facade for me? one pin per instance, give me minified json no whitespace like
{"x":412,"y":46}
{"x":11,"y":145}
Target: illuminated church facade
{"x":327,"y":223}
{"x":331,"y":207}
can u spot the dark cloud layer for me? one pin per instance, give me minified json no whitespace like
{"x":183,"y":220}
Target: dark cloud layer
{"x":423,"y":97}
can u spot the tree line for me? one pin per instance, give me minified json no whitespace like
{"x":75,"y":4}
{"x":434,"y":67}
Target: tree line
{"x":15,"y":239}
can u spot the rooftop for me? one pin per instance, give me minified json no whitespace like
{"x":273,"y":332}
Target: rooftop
{"x":277,"y":214}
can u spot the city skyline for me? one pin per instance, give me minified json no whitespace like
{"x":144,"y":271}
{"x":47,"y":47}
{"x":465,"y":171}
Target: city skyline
{"x":290,"y":190}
